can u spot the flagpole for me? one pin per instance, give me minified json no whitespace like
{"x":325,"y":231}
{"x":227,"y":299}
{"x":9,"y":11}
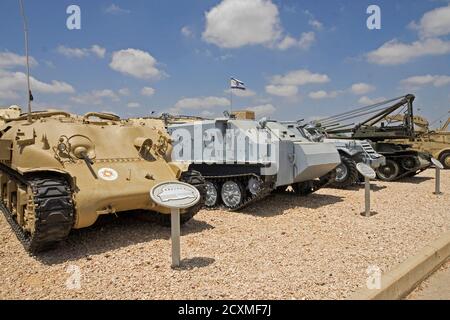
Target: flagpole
{"x":231,"y":100}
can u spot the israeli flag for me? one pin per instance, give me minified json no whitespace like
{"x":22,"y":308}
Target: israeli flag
{"x":237,"y":84}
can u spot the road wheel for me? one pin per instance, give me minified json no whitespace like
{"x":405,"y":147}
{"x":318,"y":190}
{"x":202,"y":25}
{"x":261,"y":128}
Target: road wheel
{"x":410,"y":163}
{"x":388,"y":172}
{"x":212,"y":194}
{"x":346,"y":173}
{"x":445,"y":159}
{"x":232,"y":194}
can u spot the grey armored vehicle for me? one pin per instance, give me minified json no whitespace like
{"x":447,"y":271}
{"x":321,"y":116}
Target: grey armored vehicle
{"x":351,"y":152}
{"x":243,"y":160}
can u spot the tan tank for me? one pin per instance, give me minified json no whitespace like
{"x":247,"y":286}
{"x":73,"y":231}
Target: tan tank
{"x":62,"y":171}
{"x":435,"y":142}
{"x":9,"y":113}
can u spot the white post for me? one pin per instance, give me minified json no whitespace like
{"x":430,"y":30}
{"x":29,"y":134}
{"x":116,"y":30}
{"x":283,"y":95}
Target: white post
{"x":175,"y":237}
{"x":438,"y":181}
{"x":175,"y":195}
{"x":367,"y":183}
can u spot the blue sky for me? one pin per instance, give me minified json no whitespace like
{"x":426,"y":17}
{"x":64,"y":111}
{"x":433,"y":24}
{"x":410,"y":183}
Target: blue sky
{"x":299,"y":59}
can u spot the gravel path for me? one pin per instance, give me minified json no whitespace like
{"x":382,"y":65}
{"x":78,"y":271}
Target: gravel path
{"x":284,"y":247}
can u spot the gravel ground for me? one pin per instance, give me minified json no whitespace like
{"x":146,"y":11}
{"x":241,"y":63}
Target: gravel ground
{"x":284,"y":247}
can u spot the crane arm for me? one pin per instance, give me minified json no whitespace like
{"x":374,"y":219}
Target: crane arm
{"x":446,"y":125}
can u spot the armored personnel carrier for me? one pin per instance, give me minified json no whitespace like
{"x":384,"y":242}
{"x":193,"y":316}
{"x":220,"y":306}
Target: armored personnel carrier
{"x":243,"y":160}
{"x":351,"y":152}
{"x":60,"y":171}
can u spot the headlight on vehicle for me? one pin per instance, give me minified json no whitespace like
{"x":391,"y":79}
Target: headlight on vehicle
{"x":62,"y":147}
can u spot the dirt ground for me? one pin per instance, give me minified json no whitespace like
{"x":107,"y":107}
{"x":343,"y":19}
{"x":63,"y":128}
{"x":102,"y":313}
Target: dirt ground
{"x":284,"y":247}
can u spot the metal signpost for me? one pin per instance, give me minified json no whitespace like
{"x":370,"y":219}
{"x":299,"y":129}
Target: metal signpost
{"x":438,"y":165}
{"x":175,"y":196}
{"x":368,"y":174}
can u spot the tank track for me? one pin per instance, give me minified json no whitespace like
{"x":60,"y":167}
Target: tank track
{"x":406,"y":173}
{"x":265,"y":190}
{"x":54,"y":211}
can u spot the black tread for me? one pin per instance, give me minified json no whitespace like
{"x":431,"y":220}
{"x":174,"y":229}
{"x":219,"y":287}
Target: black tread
{"x":242,"y":179}
{"x":352,"y":176}
{"x":403,"y":173}
{"x":308,"y":187}
{"x":54,"y":213}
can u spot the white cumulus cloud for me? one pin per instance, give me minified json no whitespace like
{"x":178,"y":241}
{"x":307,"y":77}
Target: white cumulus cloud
{"x":133,"y":105}
{"x":81,"y":52}
{"x":95,"y":97}
{"x":98,"y":51}
{"x":419,"y":81}
{"x":116,"y":10}
{"x":287,"y":85}
{"x":136,"y":63}
{"x":201,"y":103}
{"x":305,"y":42}
{"x":124,"y":92}
{"x":12,"y":84}
{"x":369,"y":101}
{"x":237,"y":23}
{"x":187,"y":31}
{"x":147,"y":91}
{"x":242,"y":93}
{"x":316,"y":24}
{"x":395,"y":52}
{"x":300,"y":78}
{"x":361,"y":88}
{"x":262,"y":110}
{"x":434,"y":23}
{"x":282,"y":90}
{"x":321,"y":94}
{"x":10,"y":60}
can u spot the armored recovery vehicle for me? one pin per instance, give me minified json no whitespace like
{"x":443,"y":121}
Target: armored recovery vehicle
{"x":351,"y":152}
{"x":243,"y":160}
{"x":401,"y":159}
{"x":60,"y":171}
{"x":435,"y":142}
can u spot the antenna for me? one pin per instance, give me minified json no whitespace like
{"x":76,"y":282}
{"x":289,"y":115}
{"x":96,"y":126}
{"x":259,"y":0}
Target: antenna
{"x":25,"y":29}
